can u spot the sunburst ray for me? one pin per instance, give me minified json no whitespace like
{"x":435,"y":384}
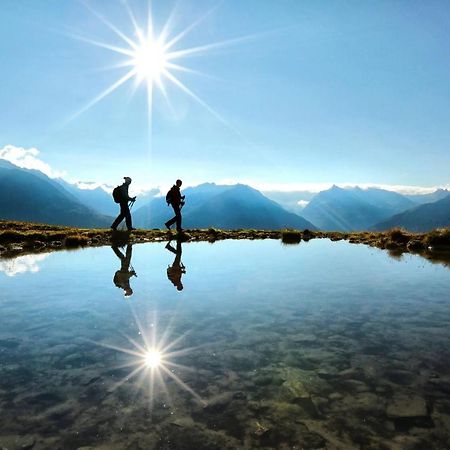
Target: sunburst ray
{"x":150,"y":362}
{"x":153,"y":58}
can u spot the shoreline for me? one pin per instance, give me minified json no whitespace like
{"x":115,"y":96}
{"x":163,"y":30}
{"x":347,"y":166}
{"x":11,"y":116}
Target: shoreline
{"x":19,"y":238}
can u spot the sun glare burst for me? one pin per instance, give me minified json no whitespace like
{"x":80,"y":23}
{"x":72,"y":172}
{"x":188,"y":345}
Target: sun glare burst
{"x":153,"y":359}
{"x":152,"y":362}
{"x":151,"y":59}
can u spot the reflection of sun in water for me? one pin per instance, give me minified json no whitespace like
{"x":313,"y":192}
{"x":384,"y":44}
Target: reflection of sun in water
{"x":153,"y":359}
{"x":152,"y":362}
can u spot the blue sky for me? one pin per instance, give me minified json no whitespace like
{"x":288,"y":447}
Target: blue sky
{"x":322,"y":92}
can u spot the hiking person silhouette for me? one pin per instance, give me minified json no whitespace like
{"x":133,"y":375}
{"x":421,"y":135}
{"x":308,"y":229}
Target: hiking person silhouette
{"x":175,"y":199}
{"x":122,"y":276}
{"x":177,"y":269}
{"x":121,"y":196}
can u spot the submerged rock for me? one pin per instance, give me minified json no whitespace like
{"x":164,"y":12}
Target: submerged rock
{"x":402,"y":377}
{"x":441,"y":383}
{"x":407,"y":406}
{"x":17,"y":442}
{"x":293,"y":389}
{"x":409,"y":411}
{"x":26,"y":442}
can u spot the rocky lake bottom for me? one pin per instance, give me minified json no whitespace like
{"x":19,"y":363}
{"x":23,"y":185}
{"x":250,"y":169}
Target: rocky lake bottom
{"x":237,"y":344}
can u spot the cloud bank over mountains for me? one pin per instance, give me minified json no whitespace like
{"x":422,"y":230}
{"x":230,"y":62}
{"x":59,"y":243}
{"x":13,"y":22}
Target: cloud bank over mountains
{"x":30,"y":159}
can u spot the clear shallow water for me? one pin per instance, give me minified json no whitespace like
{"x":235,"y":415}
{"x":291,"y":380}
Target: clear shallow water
{"x":320,"y":345}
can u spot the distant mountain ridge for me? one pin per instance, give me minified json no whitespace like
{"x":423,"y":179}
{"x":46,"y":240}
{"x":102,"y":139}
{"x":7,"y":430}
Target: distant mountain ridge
{"x":293,"y":201}
{"x":29,"y":195}
{"x":421,"y":199}
{"x":96,"y":199}
{"x":353,"y":209}
{"x":227,"y":207}
{"x":420,"y":218}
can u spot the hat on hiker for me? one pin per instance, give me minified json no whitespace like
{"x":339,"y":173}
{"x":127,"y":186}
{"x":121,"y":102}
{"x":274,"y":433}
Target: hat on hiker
{"x":127,"y":179}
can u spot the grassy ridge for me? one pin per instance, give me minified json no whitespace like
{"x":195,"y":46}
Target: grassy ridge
{"x":26,"y":237}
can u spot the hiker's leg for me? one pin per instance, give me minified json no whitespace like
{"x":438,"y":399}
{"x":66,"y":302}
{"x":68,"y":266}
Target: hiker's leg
{"x":126,"y":213}
{"x":170,"y":248}
{"x":128,"y":255}
{"x":178,"y":217}
{"x":170,"y":222}
{"x":119,"y":219}
{"x":118,"y":253}
{"x":177,"y":260}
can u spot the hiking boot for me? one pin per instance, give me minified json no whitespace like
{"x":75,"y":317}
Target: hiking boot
{"x":131,"y":229}
{"x":113,"y":228}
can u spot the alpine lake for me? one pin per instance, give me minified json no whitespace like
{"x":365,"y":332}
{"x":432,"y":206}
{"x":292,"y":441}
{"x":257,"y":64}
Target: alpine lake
{"x":236,"y":344}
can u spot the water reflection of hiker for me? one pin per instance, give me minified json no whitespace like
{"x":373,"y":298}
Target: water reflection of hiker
{"x":176,"y":270}
{"x":175,"y":199}
{"x":122,"y":276}
{"x":121,"y":196}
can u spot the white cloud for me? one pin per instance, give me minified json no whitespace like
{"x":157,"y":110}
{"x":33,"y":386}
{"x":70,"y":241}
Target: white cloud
{"x":21,"y":264}
{"x":302,"y":203}
{"x":317,"y":187}
{"x":91,"y":185}
{"x":28,"y":159}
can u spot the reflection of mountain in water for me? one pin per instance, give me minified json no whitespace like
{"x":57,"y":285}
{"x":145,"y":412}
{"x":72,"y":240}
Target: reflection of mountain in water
{"x":21,"y":264}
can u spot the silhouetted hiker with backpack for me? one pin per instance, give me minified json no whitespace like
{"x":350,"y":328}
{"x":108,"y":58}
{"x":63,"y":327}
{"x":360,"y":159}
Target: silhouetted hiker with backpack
{"x":122,"y":276}
{"x":120,"y":195}
{"x":175,"y":199}
{"x":177,"y":269}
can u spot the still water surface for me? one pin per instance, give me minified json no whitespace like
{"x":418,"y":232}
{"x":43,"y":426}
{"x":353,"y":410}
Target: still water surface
{"x":237,"y":344}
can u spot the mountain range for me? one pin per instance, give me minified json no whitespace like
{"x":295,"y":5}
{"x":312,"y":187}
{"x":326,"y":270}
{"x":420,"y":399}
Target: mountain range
{"x":420,"y":218}
{"x":30,"y":195}
{"x":227,"y":207}
{"x":421,"y":199}
{"x":353,"y":209}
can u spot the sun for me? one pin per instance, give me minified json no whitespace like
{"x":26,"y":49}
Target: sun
{"x":150,"y":61}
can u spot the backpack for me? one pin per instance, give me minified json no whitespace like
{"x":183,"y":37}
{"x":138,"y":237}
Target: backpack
{"x":117,"y":194}
{"x":169,"y":197}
